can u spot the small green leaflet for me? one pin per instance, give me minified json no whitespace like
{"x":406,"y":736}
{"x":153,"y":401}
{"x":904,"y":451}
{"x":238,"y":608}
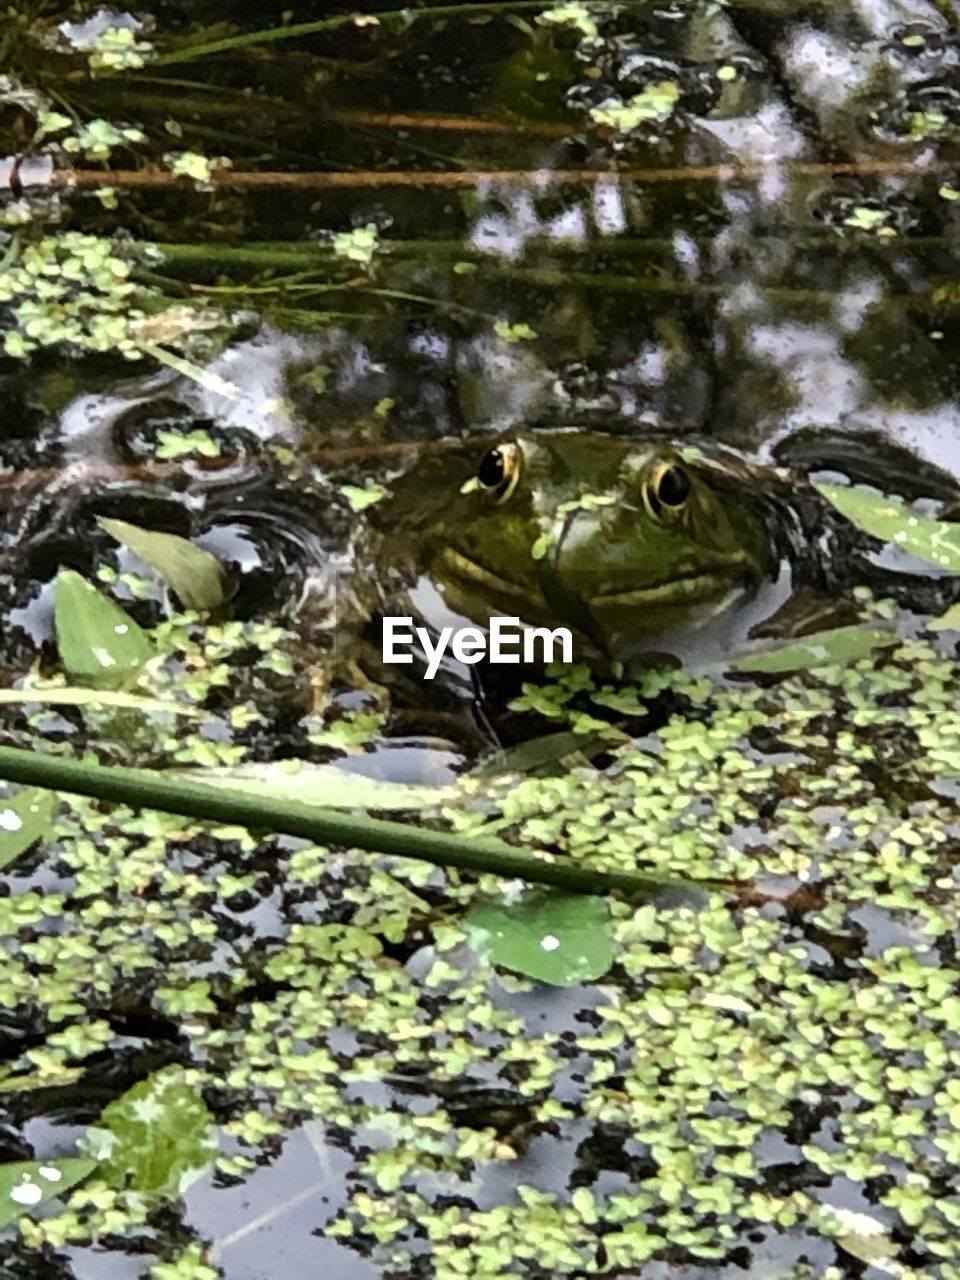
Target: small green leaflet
{"x":936,"y":541}
{"x":193,"y":574}
{"x":99,"y":643}
{"x":24,"y":1184}
{"x":24,"y":818}
{"x":556,"y":937}
{"x":361,"y":498}
{"x":836,"y":647}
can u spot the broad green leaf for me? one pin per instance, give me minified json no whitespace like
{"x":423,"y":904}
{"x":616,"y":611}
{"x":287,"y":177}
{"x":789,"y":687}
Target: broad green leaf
{"x":98,"y":641}
{"x":936,"y":541}
{"x":822,"y":649}
{"x":24,"y":818}
{"x":24,"y":1184}
{"x":194,"y":574}
{"x":556,"y":937}
{"x":323,"y":785}
{"x":158,"y":1138}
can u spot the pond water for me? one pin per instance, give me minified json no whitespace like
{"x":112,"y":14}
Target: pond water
{"x":274,"y":278}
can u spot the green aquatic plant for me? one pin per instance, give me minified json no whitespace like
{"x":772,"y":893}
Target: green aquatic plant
{"x":701,"y":998}
{"x":25,"y":1184}
{"x":224,"y":804}
{"x":99,"y":642}
{"x":25,"y":818}
{"x":119,"y":49}
{"x":654,"y":105}
{"x":195,"y":575}
{"x":72,"y":288}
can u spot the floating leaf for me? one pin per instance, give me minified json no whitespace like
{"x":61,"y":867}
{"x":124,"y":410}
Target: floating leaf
{"x":949,"y":621}
{"x":24,"y":818}
{"x":194,"y":574}
{"x":549,"y":753}
{"x":98,"y":641}
{"x":556,"y":937}
{"x":158,"y":1138}
{"x":24,"y":1184}
{"x":32,"y":1081}
{"x":936,"y":541}
{"x":822,"y":649}
{"x":865,"y":1238}
{"x":323,"y":785}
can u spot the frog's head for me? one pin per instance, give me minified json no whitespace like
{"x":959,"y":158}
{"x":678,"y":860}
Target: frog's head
{"x":618,"y":541}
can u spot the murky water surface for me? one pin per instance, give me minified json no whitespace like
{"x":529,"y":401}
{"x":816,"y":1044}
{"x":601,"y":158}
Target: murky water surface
{"x":256,"y":289}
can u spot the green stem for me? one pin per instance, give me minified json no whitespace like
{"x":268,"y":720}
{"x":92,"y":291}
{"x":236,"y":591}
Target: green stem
{"x":402,"y":16}
{"x":266,"y":255}
{"x":147,"y":789}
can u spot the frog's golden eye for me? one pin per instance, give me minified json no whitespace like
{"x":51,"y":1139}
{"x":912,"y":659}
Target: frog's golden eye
{"x":666,"y":491}
{"x":499,"y":470}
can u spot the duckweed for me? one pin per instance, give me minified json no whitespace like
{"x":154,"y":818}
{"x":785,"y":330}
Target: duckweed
{"x":717,"y":1026}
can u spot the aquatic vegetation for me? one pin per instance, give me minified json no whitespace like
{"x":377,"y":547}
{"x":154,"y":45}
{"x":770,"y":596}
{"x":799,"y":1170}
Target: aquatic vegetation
{"x":71,"y":288}
{"x":98,"y":641}
{"x":437,"y":222}
{"x":753,"y":1005}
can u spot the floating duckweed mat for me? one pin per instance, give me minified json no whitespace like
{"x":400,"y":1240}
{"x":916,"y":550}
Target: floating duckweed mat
{"x":782,"y":1069}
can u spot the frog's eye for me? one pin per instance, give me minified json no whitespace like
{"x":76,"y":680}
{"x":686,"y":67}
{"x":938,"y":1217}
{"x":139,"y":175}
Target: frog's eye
{"x":499,"y":470}
{"x":666,"y":491}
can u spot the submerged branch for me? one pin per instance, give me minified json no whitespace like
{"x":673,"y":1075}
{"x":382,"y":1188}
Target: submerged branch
{"x":415,"y":120}
{"x":241,"y":179}
{"x":147,"y":789}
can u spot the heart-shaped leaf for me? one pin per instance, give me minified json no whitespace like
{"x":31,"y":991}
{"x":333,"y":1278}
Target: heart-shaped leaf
{"x":157,"y":1138}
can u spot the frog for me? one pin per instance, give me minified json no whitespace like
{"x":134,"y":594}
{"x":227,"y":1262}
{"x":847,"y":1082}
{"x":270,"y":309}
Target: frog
{"x":646,"y":549}
{"x":622,"y":542}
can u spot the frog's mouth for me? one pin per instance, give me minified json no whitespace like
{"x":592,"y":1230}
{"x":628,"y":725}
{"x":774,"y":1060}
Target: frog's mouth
{"x":690,"y":588}
{"x":460,"y":576}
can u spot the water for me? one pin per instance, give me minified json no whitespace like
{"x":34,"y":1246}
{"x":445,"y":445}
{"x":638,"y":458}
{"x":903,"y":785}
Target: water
{"x":732,"y":224}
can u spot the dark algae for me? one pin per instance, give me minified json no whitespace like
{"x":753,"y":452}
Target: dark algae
{"x":639,"y":319}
